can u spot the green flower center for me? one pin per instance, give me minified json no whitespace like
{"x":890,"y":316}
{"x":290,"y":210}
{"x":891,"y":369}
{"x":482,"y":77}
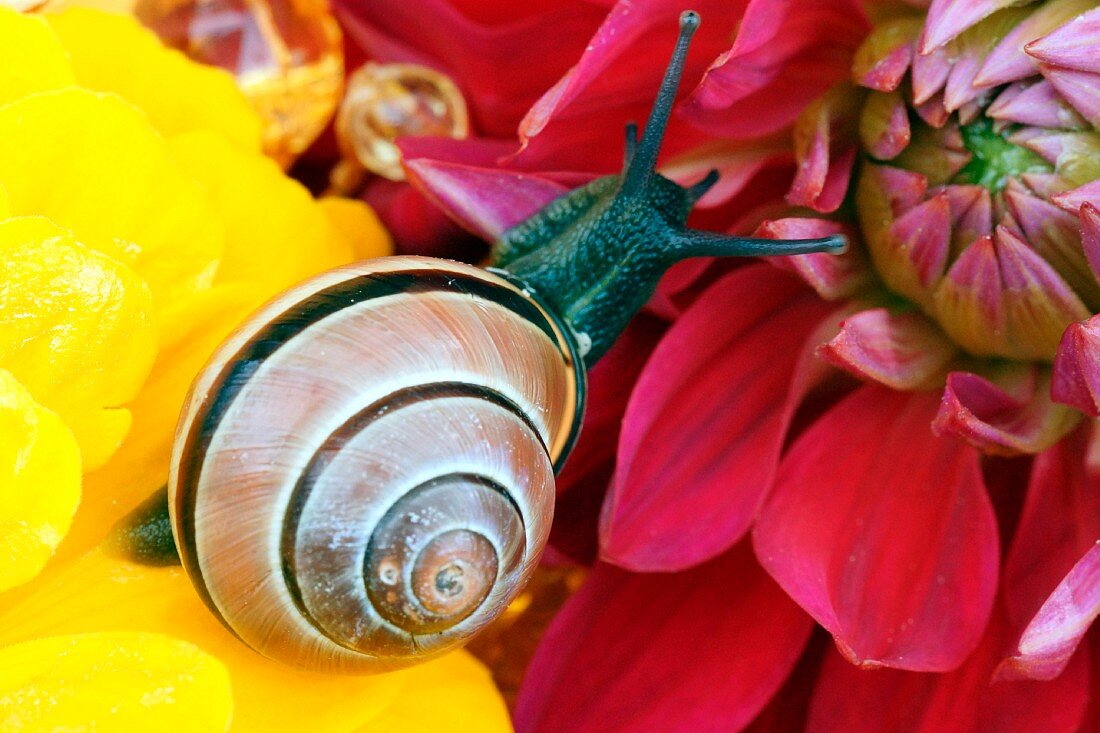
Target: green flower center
{"x":994,"y":159}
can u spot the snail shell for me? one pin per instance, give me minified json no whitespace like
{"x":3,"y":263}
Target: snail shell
{"x":363,"y":475}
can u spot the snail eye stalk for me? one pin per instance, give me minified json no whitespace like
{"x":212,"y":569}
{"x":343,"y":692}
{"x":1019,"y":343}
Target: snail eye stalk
{"x":596,"y":253}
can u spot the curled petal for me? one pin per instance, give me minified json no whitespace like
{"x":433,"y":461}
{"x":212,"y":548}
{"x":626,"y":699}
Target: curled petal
{"x":884,"y":533}
{"x":930,"y":71}
{"x":702,"y":433}
{"x":825,"y":147}
{"x":1076,"y":379}
{"x":922,"y":237}
{"x":962,"y":701}
{"x":1001,"y":422}
{"x":900,"y":350}
{"x":833,"y":276}
{"x":1039,"y":105}
{"x":1053,"y":635}
{"x":1089,"y":217}
{"x":1052,"y":572}
{"x":607,"y":661}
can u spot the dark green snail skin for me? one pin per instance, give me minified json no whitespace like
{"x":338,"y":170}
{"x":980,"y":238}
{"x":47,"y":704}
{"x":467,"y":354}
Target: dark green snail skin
{"x":592,"y":257}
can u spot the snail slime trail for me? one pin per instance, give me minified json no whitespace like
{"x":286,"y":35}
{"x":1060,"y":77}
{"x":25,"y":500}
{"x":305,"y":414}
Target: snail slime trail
{"x":291,"y":515}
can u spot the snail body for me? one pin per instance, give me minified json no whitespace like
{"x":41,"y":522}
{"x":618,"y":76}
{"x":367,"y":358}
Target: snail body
{"x":363,"y":474}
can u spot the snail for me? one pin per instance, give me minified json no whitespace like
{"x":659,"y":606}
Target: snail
{"x":363,"y":474}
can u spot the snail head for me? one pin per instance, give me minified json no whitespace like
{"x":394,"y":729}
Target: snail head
{"x":596,"y":253}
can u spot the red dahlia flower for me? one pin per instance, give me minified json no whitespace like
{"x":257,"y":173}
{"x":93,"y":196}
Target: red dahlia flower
{"x":940,"y":517}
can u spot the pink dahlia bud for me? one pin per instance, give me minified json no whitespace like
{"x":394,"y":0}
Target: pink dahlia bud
{"x":978,"y":133}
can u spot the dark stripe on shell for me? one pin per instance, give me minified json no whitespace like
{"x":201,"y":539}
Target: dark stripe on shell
{"x":239,"y":369}
{"x":320,"y":460}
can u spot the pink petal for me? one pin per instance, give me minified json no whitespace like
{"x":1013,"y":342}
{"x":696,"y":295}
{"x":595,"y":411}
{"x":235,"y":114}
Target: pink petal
{"x":929,"y":74}
{"x":970,"y":299}
{"x":486,"y":201}
{"x":884,"y":533}
{"x":899,"y":350}
{"x":699,"y":650}
{"x":883,"y":58}
{"x":1077,"y":368}
{"x":1039,"y":304}
{"x":1008,"y":62}
{"x":923,"y":238}
{"x":903,"y":189}
{"x":702,"y":433}
{"x":825,"y":147}
{"x":884,"y":125}
{"x":949,"y":18}
{"x":963,"y":701}
{"x":1080,"y":88}
{"x":1073,"y":45}
{"x":833,"y":276}
{"x":1053,"y":636}
{"x":786,"y":53}
{"x":996,"y":422}
{"x":1052,"y":574}
{"x":1072,"y":200}
{"x":1089,"y":217}
{"x":1039,"y":104}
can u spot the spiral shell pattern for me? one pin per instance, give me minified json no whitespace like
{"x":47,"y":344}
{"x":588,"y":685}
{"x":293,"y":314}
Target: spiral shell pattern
{"x":363,"y":474}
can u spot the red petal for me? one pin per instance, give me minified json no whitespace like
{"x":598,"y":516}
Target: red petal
{"x":1077,"y":367}
{"x":478,"y":44}
{"x":899,"y":350}
{"x":700,"y":650}
{"x":485,"y":201}
{"x":703,"y":429}
{"x":999,"y":423}
{"x":578,"y":121}
{"x":587,"y":473}
{"x":417,"y":225}
{"x":887,"y":701}
{"x":884,"y":533}
{"x":786,"y":54}
{"x":1046,"y":579}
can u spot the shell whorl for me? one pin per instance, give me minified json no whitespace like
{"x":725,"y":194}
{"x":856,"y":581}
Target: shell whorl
{"x":363,"y":474}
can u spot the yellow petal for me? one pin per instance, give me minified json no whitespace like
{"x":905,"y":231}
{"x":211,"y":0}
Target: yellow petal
{"x":74,"y":329}
{"x":100,"y":592}
{"x":39,"y":482}
{"x":198,"y":325}
{"x":119,"y":682}
{"x":31,"y":56}
{"x":93,"y":164}
{"x":359,"y":225}
{"x":276,"y":234}
{"x":114,"y":53}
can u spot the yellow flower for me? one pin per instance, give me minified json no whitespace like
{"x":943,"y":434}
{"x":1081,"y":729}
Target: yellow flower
{"x":138,"y":224}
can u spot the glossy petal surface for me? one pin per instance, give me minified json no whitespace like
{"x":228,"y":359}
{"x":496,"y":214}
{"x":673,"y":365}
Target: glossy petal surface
{"x":699,"y":650}
{"x":702,"y":433}
{"x":884,"y":533}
